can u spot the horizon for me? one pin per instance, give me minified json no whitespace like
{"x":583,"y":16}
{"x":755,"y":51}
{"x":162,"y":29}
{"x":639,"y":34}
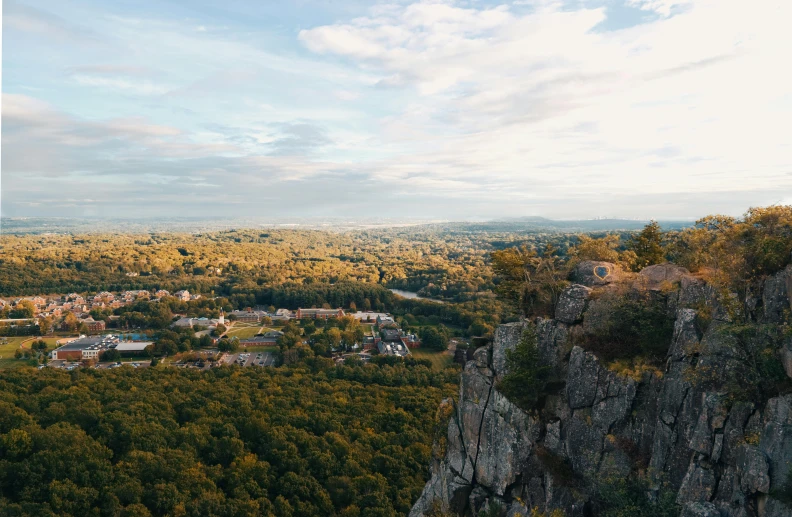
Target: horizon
{"x":457,"y":111}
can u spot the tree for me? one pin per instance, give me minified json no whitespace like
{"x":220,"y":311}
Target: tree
{"x":526,"y":377}
{"x":434,"y":339}
{"x":219,"y":330}
{"x":648,"y":246}
{"x":69,"y":322}
{"x":45,"y":325}
{"x":334,"y":336}
{"x":531,"y":282}
{"x":23,"y":309}
{"x":228,"y":345}
{"x":111,"y":355}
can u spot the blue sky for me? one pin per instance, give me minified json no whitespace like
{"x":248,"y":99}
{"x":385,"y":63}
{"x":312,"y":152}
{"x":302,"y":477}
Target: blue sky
{"x":424,"y":109}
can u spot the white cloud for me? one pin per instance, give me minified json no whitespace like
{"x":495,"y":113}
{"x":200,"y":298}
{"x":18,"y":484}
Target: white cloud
{"x":696,"y":101}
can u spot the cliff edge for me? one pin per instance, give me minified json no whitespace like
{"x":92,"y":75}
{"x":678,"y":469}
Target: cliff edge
{"x":688,"y":427}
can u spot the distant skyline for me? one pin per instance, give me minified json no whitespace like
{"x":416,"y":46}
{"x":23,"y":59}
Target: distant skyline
{"x":452,"y":110}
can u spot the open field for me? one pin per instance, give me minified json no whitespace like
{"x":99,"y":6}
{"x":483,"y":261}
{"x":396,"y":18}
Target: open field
{"x":7,"y":350}
{"x":243,"y":330}
{"x":439,"y":360}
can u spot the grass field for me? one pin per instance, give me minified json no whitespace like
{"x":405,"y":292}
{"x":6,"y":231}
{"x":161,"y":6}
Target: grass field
{"x":243,"y":332}
{"x":7,"y":352}
{"x":439,"y":360}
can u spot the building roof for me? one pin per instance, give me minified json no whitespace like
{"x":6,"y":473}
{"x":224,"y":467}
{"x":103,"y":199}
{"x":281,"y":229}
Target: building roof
{"x":362,"y":315}
{"x":87,"y":342}
{"x":133,"y":346}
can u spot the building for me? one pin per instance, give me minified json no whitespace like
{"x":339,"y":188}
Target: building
{"x":369,"y":316}
{"x":397,"y":349}
{"x":133,"y":347}
{"x":93,"y":325}
{"x":200,"y":322}
{"x":391,"y":335}
{"x":248,"y":316}
{"x":411,"y":341}
{"x":383,"y":320}
{"x":319,"y":313}
{"x":84,"y":348}
{"x":282,"y":314}
{"x":183,"y":295}
{"x":267,"y":339}
{"x":161,"y":294}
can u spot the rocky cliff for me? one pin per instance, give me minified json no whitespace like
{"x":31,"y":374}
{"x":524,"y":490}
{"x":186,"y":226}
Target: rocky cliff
{"x":686,"y":428}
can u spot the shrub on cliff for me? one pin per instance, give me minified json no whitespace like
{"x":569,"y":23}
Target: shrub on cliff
{"x":623,"y":326}
{"x":526,"y":379}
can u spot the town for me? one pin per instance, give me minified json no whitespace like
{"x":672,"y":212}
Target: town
{"x":93,"y":334}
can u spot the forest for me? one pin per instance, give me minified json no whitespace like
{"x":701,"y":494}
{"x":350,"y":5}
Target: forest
{"x":312,"y":440}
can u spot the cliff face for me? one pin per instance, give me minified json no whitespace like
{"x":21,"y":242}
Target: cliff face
{"x":681,"y":428}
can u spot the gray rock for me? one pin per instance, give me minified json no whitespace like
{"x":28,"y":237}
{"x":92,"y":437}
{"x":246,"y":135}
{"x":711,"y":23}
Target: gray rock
{"x":711,"y":419}
{"x":592,"y":273}
{"x":614,"y":400}
{"x":582,"y":378}
{"x":572,"y":303}
{"x":697,"y":486}
{"x":786,"y":357}
{"x":504,"y":443}
{"x":686,"y":337}
{"x":552,"y":339}
{"x":481,"y":357}
{"x":753,"y":470}
{"x":733,"y":431}
{"x":777,"y":296}
{"x":776,"y":438}
{"x":584,"y":445}
{"x":506,"y":338}
{"x":659,"y":274}
{"x":700,"y":509}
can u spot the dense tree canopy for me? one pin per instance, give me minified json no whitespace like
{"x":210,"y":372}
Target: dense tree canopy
{"x":312,"y":441}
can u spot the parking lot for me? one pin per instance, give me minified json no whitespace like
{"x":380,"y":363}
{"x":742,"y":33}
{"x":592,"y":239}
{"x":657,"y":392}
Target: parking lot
{"x":251,"y":359}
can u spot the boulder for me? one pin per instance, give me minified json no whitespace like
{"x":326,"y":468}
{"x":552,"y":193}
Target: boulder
{"x":592,"y":273}
{"x":659,"y":274}
{"x":572,"y":303}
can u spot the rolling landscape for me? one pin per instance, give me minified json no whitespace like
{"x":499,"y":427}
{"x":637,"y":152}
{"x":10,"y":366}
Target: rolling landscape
{"x":414,"y":258}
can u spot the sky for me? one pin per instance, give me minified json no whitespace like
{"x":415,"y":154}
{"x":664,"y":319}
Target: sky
{"x":453,"y":110}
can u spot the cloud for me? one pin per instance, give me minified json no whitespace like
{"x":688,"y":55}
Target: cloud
{"x":42,"y":23}
{"x":452,"y":108}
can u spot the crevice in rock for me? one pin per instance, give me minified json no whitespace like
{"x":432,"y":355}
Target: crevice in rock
{"x":481,"y":426}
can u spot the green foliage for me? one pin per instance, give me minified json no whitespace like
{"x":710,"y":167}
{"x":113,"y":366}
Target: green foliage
{"x":630,"y":496}
{"x":633,"y":324}
{"x":314,"y":440}
{"x":526,"y":378}
{"x":110,"y":355}
{"x":228,"y":345}
{"x":530,"y":282}
{"x":434,"y":338}
{"x":733,"y":252}
{"x":647,"y":246}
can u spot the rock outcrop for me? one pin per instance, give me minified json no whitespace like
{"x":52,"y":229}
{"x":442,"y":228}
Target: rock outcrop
{"x":592,"y":273}
{"x":679,"y":427}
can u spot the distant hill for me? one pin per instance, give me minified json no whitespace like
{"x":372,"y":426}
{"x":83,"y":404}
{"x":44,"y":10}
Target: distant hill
{"x":530,"y":224}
